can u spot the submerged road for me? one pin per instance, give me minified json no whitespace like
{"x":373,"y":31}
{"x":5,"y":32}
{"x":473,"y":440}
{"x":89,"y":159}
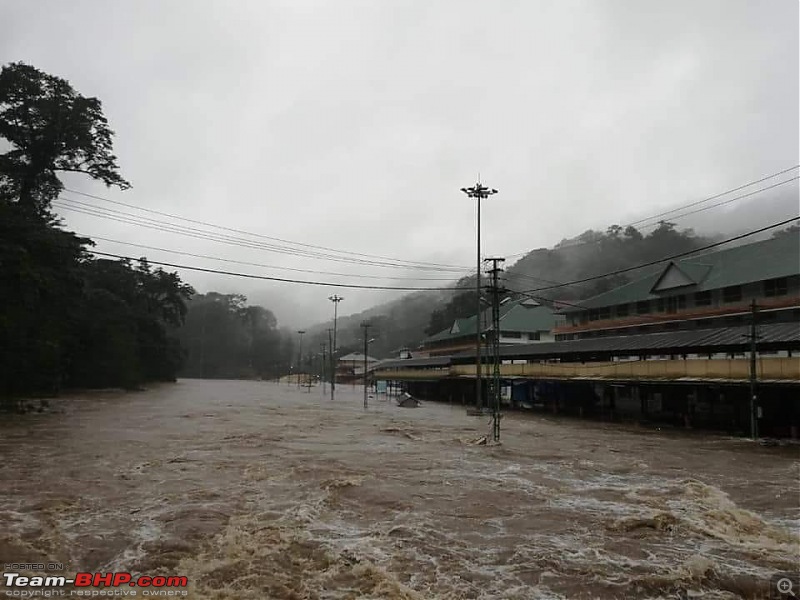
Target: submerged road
{"x":263,"y":490}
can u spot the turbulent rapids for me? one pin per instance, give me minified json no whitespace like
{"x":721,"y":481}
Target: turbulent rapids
{"x":263,"y":490}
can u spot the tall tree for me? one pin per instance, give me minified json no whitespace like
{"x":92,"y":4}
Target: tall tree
{"x":51,"y":128}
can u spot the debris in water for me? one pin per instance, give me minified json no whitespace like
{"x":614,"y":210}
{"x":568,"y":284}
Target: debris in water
{"x":406,"y":400}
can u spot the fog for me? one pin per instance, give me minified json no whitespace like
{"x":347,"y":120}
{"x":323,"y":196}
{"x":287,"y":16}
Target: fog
{"x":352,"y":126}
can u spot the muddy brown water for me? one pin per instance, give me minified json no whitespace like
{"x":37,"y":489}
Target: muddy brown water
{"x":263,"y":490}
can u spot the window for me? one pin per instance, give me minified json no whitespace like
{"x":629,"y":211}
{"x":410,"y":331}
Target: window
{"x":643,"y":307}
{"x":535,"y":336}
{"x":511,"y":334}
{"x":676,"y":303}
{"x":605,"y":313}
{"x":776,"y":287}
{"x":593,"y":315}
{"x":702,"y":299}
{"x":622,"y":310}
{"x":732,"y":293}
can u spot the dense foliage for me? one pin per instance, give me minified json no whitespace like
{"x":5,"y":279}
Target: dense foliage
{"x":67,"y":319}
{"x":51,"y":128}
{"x":226,"y":338}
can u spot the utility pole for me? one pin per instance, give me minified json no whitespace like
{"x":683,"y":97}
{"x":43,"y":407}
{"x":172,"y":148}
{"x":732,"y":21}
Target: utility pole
{"x":753,"y":372}
{"x":495,"y":290}
{"x":478,"y":191}
{"x":333,"y":367}
{"x":323,"y":346}
{"x":335,"y":299}
{"x":365,"y":326}
{"x":300,"y":356}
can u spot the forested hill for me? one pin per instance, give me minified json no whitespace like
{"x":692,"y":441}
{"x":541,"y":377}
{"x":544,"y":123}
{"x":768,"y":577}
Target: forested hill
{"x":593,"y":253}
{"x":408,"y":320}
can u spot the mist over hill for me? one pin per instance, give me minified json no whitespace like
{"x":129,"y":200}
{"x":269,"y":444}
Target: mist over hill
{"x":405,"y":321}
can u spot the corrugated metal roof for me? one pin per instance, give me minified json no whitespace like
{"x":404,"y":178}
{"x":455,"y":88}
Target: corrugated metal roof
{"x":526,"y":318}
{"x":356,"y":357}
{"x":760,"y":261}
{"x":518,"y":315}
{"x":700,"y":340}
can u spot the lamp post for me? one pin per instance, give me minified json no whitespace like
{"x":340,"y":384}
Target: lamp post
{"x":335,"y":299}
{"x":322,"y":376}
{"x":300,"y":356}
{"x":478,"y":191}
{"x":366,"y":325}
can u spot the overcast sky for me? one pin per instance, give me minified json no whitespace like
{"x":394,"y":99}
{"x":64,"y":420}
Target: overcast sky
{"x":352,"y":125}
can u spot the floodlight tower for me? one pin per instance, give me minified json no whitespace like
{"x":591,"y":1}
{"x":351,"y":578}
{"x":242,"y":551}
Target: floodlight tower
{"x":478,"y":191}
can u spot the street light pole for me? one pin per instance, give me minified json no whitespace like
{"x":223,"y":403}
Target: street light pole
{"x":365,"y":325}
{"x":324,"y":358}
{"x":300,"y":356}
{"x":335,"y":299}
{"x":478,"y":191}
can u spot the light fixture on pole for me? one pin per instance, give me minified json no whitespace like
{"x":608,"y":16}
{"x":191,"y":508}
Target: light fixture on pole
{"x":478,"y":191}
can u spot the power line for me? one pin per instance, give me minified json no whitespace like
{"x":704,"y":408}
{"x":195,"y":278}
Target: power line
{"x":689,"y":205}
{"x":240,"y":262}
{"x":149,"y":223}
{"x":578,"y":244}
{"x":709,"y":199}
{"x":280,"y":279}
{"x":724,"y":202}
{"x":665,"y":259}
{"x":275,"y":239}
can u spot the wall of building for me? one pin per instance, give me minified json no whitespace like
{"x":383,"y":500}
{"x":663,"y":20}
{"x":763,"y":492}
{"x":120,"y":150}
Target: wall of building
{"x":721,"y":307}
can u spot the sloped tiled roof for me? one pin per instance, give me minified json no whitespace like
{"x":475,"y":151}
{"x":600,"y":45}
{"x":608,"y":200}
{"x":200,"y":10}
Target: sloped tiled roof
{"x":768,"y":259}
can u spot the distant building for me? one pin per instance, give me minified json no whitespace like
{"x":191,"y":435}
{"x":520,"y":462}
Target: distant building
{"x":715,"y":289}
{"x":350,"y":367}
{"x":521,"y":322}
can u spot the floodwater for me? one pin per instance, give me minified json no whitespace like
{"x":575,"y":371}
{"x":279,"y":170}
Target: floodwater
{"x":264,"y":490}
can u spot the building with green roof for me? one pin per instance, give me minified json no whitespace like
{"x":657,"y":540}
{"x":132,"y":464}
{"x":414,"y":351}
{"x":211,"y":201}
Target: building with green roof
{"x":521,"y":322}
{"x":714,"y":289}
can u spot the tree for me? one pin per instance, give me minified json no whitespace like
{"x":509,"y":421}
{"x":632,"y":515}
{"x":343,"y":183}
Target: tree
{"x":789,"y":230}
{"x":42,"y":287}
{"x":460,"y":306}
{"x":51,"y":128}
{"x":122,"y":331}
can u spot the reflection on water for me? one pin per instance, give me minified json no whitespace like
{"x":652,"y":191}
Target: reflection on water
{"x":259,"y":490}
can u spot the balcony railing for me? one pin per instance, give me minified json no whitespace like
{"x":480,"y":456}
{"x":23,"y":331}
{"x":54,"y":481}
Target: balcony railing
{"x":737,"y":369}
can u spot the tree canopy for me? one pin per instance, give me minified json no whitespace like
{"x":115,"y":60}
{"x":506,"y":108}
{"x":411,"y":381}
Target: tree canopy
{"x":51,"y":129}
{"x":66,"y":318}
